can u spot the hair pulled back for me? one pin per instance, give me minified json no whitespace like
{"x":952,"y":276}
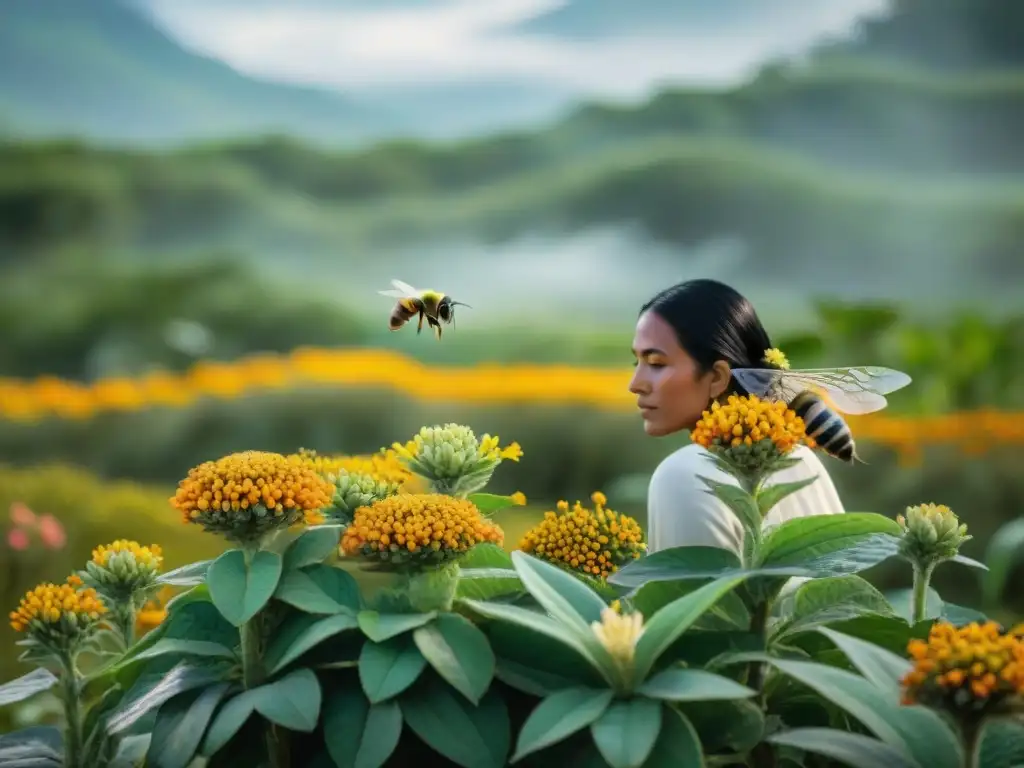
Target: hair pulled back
{"x":712,"y":322}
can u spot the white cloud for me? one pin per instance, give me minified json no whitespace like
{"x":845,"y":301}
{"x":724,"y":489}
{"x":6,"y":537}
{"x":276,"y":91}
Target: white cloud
{"x":452,"y":41}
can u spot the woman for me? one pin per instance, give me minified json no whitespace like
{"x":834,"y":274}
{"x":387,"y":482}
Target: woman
{"x":688,"y":339}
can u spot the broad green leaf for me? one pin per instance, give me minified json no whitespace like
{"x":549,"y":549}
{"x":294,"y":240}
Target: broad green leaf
{"x":470,"y":736}
{"x":383,"y":626}
{"x":562,"y":595}
{"x":852,"y":749}
{"x":677,"y":684}
{"x":292,"y":701}
{"x":488,"y":583}
{"x":312,"y":546}
{"x":180,"y":725}
{"x":489,"y":503}
{"x":829,"y":600}
{"x":878,"y":665}
{"x":626,"y":731}
{"x":302,"y":633}
{"x":902,"y":602}
{"x":36,"y":681}
{"x":299,"y":590}
{"x":665,"y":627}
{"x":736,"y":725}
{"x":337,"y":583}
{"x":832,"y":545}
{"x":184,"y":676}
{"x":558,"y":717}
{"x":970,"y":562}
{"x":677,"y":563}
{"x":960,"y":615}
{"x":38,"y":746}
{"x":771,"y":495}
{"x":358,"y":734}
{"x":1004,"y":550}
{"x":389,"y":667}
{"x":459,"y":652}
{"x":227,"y":722}
{"x":486,"y":555}
{"x":741,"y":503}
{"x":240,"y":591}
{"x":186,"y":576}
{"x":538,"y":664}
{"x":170,"y":645}
{"x":1002,"y":745}
{"x":729,"y":613}
{"x":678,"y":743}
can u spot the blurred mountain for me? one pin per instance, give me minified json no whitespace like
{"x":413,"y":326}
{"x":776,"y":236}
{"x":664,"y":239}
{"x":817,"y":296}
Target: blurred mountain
{"x":101,"y":69}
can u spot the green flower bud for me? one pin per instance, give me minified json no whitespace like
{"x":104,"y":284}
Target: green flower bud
{"x":353,"y":490}
{"x":125,"y":570}
{"x":931,"y":534}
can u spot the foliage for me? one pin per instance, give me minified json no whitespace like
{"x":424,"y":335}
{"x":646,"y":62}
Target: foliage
{"x":483,"y":658}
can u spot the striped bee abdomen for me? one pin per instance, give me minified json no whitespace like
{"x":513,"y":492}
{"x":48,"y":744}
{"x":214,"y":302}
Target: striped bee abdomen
{"x":826,"y":427}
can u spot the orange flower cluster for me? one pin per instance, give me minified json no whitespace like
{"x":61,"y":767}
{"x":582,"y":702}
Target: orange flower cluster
{"x":748,"y":420}
{"x":245,"y":495}
{"x":417,"y":529}
{"x":976,"y":667}
{"x":59,"y":613}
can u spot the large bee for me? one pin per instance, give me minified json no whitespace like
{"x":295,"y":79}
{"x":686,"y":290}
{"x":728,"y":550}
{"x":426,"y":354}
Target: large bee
{"x":435,"y":306}
{"x":851,"y":390}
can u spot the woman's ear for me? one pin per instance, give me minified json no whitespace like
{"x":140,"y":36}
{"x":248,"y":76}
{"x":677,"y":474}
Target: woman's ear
{"x":721,"y":375}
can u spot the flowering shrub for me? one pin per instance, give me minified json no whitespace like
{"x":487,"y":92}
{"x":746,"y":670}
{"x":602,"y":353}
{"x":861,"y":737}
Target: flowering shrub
{"x":576,"y":649}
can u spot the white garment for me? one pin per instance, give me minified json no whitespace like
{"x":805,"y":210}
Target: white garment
{"x":682,"y":513}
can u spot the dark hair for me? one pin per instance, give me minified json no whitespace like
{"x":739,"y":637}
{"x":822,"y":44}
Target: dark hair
{"x":713,"y":322}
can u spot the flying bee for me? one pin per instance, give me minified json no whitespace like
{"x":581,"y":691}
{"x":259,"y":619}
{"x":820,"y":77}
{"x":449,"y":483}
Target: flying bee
{"x":809,"y":392}
{"x":435,"y":306}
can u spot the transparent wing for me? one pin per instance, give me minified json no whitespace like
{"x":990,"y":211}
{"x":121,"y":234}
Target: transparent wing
{"x":402,"y":290}
{"x":854,"y":390}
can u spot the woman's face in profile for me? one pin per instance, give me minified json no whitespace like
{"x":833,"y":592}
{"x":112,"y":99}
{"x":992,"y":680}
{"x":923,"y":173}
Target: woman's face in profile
{"x":670,"y":390}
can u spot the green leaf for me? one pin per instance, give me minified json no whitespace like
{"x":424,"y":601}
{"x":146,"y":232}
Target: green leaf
{"x":229,"y":721}
{"x":390,"y":667}
{"x":562,"y":595}
{"x":558,"y":717}
{"x":357,"y":734}
{"x":469,"y":736}
{"x":184,"y":676}
{"x":180,"y":725}
{"x":26,"y":686}
{"x":878,"y":665}
{"x":728,"y":614}
{"x":1004,"y":550}
{"x":536,"y":663}
{"x":853,"y":749}
{"x":486,"y":555}
{"x":832,"y":545}
{"x":240,"y":591}
{"x":737,"y":725}
{"x":1002,"y":745}
{"x":489,"y":503}
{"x":301,"y":634}
{"x":312,"y":547}
{"x":678,"y":743}
{"x":186,"y":576}
{"x":383,"y":626}
{"x":626,"y":732}
{"x":828,"y":600}
{"x":488,"y":583}
{"x":741,"y":504}
{"x":693,"y":685}
{"x":299,"y":590}
{"x":902,"y":602}
{"x":170,"y":645}
{"x":292,"y":702}
{"x":970,"y":562}
{"x":39,"y":746}
{"x":771,"y":495}
{"x":459,"y":652}
{"x":665,"y":627}
{"x":677,"y":563}
{"x":337,"y":584}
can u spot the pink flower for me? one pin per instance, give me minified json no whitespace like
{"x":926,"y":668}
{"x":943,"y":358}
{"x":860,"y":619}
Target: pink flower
{"x":22,"y":516}
{"x":52,"y":532}
{"x":17,"y":539}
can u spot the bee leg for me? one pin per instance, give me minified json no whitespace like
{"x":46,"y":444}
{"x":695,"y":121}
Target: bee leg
{"x":420,"y":326}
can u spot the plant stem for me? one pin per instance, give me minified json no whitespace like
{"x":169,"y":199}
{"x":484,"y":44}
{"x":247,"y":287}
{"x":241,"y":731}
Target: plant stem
{"x":126,"y":625}
{"x":922,"y":577}
{"x":759,"y":626}
{"x":970,"y":735}
{"x":73,"y":753}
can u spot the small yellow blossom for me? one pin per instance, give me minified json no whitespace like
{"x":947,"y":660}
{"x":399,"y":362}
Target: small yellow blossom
{"x":417,"y":529}
{"x":776,"y":359}
{"x":619,"y":634}
{"x":519,"y":498}
{"x":150,"y":558}
{"x":245,"y":495}
{"x":593,"y":542}
{"x":976,"y":668}
{"x":59,"y":615}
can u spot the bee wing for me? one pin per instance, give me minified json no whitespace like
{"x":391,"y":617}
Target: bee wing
{"x":854,"y":390}
{"x":408,"y":289}
{"x":394,"y":294}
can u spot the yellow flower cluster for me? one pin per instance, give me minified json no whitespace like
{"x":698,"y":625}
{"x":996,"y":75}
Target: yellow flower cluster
{"x":59,"y":613}
{"x":384,"y":466}
{"x":968,"y":669}
{"x":594,"y":542}
{"x":776,"y":359}
{"x":417,"y":529}
{"x":149,"y":558}
{"x":243,"y":496}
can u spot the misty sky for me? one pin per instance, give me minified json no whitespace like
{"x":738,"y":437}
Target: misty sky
{"x":363,"y":44}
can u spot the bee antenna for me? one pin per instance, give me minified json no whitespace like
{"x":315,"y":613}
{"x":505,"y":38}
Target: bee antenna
{"x":460,"y":304}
